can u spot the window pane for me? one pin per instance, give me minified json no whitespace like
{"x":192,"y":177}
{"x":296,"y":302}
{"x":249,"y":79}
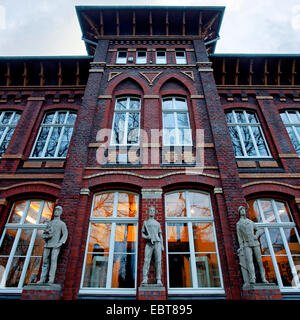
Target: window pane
{"x":3,"y":263}
{"x":127,"y":204}
{"x":285,"y":271}
{"x":125,"y":238}
{"x":204,"y":237}
{"x":8,"y":242}
{"x":283,"y":212}
{"x":6,"y":140}
{"x":7,"y":116}
{"x":292,"y":240}
{"x":33,"y":211}
{"x":184,"y":136}
{"x":268,"y":211}
{"x":284,"y":118}
{"x":16,"y":118}
{"x":99,"y":240}
{"x":41,"y":142}
{"x":53,"y":141}
{"x":229,"y":117}
{"x":18,"y":211}
{"x":65,"y":142}
{"x":169,"y":120}
{"x":60,"y":118}
{"x":123,"y":274}
{"x":182,"y":120}
{"x":47,"y":212}
{"x":168,"y":104}
{"x":252,"y":117}
{"x":134,"y":104}
{"x":269,"y":269}
{"x":293,"y":117}
{"x":95,"y":271}
{"x":248,"y":142}
{"x":294,"y":139}
{"x":38,"y":246}
{"x":178,"y":237}
{"x":207,"y":271}
{"x":240,"y":117}
{"x":254,"y":211}
{"x":277,"y":242}
{"x":119,"y":128}
{"x":133,"y":128}
{"x":15,"y":272}
{"x":33,"y":270}
{"x":260,"y":142}
{"x":23,"y":242}
{"x":71,"y":118}
{"x":103,"y":205}
{"x":180,"y":271}
{"x":49,"y":118}
{"x":121,"y":104}
{"x":200,"y":204}
{"x":175,"y":204}
{"x":238,"y":150}
{"x":180,"y":104}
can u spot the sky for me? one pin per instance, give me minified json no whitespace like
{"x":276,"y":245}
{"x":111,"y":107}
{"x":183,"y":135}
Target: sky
{"x":51,"y":28}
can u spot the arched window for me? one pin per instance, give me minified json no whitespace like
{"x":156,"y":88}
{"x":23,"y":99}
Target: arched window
{"x":8,"y":123}
{"x":246,"y":134}
{"x":280,"y":245}
{"x":126,"y":123}
{"x":55,"y":135}
{"x":111,"y":252}
{"x":291,"y":120}
{"x":176,"y":123}
{"x":21,"y":244}
{"x":192,"y":253}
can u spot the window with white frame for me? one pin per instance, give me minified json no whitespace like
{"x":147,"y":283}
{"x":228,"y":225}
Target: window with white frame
{"x":180,"y":56}
{"x":291,"y":120}
{"x":279,"y":243}
{"x":21,"y":244}
{"x":111,"y":252}
{"x":54,"y":135}
{"x":141,"y":56}
{"x":192,"y":252}
{"x":176,"y":124}
{"x":126,"y":123}
{"x":121,"y":57}
{"x":161,"y":56}
{"x":8,"y":123}
{"x":246,"y":134}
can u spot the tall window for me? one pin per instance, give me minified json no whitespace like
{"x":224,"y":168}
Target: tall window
{"x":55,"y":135}
{"x":280,"y":245}
{"x":110,"y":260}
{"x":21,"y":244}
{"x":8,"y":123}
{"x":246,"y":134}
{"x":161,"y":56}
{"x":180,"y":56}
{"x":126,"y":123}
{"x":291,"y":120}
{"x":141,"y":56}
{"x":192,"y":253}
{"x":176,"y":124}
{"x":121,"y":57}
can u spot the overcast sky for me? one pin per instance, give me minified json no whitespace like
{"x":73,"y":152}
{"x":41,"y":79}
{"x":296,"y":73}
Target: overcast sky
{"x":50,"y":27}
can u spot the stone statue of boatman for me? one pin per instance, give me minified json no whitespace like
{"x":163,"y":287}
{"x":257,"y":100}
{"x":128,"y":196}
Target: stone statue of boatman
{"x":249,"y":245}
{"x":55,"y":235}
{"x":151,"y":231}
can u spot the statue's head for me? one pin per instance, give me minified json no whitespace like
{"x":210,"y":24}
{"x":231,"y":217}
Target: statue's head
{"x":242,"y":211}
{"x":58,"y":211}
{"x":151,"y":212}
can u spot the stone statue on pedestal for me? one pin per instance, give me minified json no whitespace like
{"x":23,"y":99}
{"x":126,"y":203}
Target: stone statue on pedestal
{"x":249,"y":245}
{"x":55,"y":235}
{"x":151,"y":231}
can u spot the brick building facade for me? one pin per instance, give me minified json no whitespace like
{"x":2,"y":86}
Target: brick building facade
{"x":150,"y":117}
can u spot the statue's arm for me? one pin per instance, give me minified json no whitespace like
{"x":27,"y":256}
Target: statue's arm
{"x":145,"y":234}
{"x":64,"y":237}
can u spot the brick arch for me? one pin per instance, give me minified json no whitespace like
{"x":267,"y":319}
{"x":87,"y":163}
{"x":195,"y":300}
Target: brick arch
{"x":12,"y":107}
{"x":31,"y":188}
{"x":60,"y":106}
{"x":259,"y":188}
{"x":181,"y":79}
{"x":118,"y":80}
{"x":188,"y":181}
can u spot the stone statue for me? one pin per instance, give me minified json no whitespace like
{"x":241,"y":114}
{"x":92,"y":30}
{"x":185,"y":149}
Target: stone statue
{"x":151,"y":231}
{"x":248,"y":242}
{"x":55,"y":235}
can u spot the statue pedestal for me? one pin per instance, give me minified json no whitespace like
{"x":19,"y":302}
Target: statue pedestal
{"x":42,"y":291}
{"x":152,"y":292}
{"x":261,"y":291}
